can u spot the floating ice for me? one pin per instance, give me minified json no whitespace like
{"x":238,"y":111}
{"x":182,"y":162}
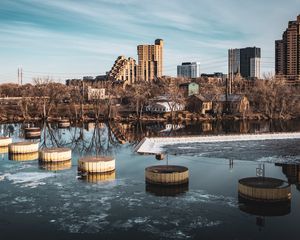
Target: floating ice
{"x":4,"y":176}
{"x":201,"y":196}
{"x":278,"y":159}
{"x":186,"y":148}
{"x":29,"y":179}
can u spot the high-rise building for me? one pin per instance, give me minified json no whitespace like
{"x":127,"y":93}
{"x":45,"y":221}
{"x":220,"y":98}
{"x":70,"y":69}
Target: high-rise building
{"x":287,"y":52}
{"x":244,"y":61}
{"x":150,"y":61}
{"x":189,"y":70}
{"x":123,"y":70}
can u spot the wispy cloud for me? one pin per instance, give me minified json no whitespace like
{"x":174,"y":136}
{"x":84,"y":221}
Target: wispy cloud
{"x":86,"y":36}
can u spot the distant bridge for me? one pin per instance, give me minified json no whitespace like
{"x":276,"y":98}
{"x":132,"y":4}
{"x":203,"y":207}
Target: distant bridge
{"x":155,"y":145}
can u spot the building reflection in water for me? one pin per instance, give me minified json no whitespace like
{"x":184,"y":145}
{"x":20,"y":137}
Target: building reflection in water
{"x":167,"y":191}
{"x":99,"y":177}
{"x":135,"y":131}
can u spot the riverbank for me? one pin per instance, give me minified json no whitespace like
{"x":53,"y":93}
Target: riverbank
{"x":15,"y":115}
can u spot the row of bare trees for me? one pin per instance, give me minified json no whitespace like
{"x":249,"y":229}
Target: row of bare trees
{"x":270,"y":96}
{"x":275,"y":98}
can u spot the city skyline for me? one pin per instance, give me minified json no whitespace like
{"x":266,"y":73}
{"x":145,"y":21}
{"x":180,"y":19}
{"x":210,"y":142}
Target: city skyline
{"x":64,"y":39}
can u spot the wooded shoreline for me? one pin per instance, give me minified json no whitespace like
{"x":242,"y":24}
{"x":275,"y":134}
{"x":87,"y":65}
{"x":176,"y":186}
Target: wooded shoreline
{"x":129,"y":117}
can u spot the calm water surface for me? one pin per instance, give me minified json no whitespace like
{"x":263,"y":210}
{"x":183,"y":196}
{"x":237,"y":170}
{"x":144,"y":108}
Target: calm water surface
{"x":43,"y":202}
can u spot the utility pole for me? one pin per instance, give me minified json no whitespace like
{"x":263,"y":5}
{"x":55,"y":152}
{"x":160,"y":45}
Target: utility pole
{"x":21,"y":76}
{"x":231,"y":72}
{"x":230,"y":163}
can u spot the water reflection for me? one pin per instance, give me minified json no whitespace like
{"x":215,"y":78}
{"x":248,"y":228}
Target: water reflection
{"x":55,"y":166}
{"x":207,"y":207}
{"x":90,"y":126}
{"x":133,"y":132}
{"x":23,"y":156}
{"x":97,"y":140}
{"x":263,"y":208}
{"x":3,"y":150}
{"x":292,"y":172}
{"x":99,"y":177}
{"x":120,"y":132}
{"x":32,"y":137}
{"x":167,"y":191}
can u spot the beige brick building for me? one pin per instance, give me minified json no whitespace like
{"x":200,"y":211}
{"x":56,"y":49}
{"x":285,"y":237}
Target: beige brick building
{"x":150,"y":61}
{"x":123,"y":70}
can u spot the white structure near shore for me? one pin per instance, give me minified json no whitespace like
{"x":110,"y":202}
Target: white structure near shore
{"x":164,"y":107}
{"x":156,"y":145}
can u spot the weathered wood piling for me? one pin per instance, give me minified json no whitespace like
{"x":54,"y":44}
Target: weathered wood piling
{"x":23,"y":156}
{"x":23,"y":147}
{"x":99,"y":177}
{"x":55,"y":154}
{"x":167,"y":175}
{"x":64,"y":123}
{"x":96,"y":164}
{"x":56,"y":166}
{"x":32,"y":132}
{"x":3,"y":149}
{"x":264,"y":189}
{"x":5,"y":141}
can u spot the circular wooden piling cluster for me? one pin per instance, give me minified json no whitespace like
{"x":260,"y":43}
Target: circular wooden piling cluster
{"x":64,"y":123}
{"x":23,"y":156}
{"x":264,"y":189}
{"x":55,"y":154}
{"x":56,"y":166}
{"x":23,"y":147}
{"x":96,"y":164}
{"x":32,"y":132}
{"x":167,"y":175}
{"x":5,"y":141}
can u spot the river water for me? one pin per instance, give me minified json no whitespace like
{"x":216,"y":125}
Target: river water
{"x":51,"y":203}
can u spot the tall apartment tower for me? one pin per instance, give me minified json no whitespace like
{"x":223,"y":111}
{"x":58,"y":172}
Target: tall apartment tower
{"x":244,"y":61}
{"x":287,"y":52}
{"x":150,"y":61}
{"x":189,"y":70}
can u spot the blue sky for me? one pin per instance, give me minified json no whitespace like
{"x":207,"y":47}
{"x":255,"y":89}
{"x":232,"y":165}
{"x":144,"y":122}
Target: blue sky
{"x":68,"y":39}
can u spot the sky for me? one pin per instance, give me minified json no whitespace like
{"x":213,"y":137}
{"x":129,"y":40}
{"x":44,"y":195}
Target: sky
{"x":65,"y":39}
